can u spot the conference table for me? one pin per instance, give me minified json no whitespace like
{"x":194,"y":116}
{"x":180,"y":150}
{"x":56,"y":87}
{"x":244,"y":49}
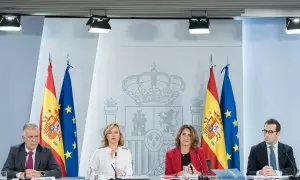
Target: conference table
{"x":164,"y":177}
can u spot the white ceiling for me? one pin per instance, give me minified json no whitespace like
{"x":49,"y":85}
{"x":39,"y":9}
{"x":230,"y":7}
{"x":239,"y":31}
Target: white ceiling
{"x":146,"y":8}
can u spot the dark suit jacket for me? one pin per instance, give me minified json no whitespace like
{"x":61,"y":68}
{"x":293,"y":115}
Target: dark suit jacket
{"x":173,"y":161}
{"x":258,"y":158}
{"x":44,"y":161}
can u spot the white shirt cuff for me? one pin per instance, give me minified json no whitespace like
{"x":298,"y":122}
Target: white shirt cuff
{"x":18,"y":175}
{"x":278,"y":172}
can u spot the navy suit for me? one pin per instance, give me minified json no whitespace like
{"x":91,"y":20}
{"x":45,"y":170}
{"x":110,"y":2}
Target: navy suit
{"x":258,"y":158}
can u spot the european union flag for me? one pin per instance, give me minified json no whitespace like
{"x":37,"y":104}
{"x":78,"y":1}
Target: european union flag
{"x":230,"y":123}
{"x":68,"y":125}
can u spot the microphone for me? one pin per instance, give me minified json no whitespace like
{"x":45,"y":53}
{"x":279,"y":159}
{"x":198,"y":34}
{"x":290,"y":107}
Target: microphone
{"x":293,"y":166}
{"x":200,"y":177}
{"x":115,"y":165}
{"x":115,"y":168}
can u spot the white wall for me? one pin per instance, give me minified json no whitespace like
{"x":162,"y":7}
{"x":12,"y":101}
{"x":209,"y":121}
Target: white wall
{"x":19,"y":56}
{"x":130,"y":49}
{"x":271,"y":82}
{"x":61,"y":37}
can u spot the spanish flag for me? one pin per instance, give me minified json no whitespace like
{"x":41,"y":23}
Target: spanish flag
{"x":212,"y":140}
{"x":50,"y":124}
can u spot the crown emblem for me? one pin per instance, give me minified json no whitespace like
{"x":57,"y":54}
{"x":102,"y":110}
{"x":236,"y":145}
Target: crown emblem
{"x":153,"y":88}
{"x":212,"y":127}
{"x":50,"y":125}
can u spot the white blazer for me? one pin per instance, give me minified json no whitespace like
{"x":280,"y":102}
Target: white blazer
{"x":101,"y":163}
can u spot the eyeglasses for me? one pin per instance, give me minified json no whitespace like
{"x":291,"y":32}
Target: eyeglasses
{"x":268,"y":131}
{"x":30,"y":138}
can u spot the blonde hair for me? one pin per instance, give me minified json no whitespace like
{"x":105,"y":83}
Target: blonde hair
{"x":194,"y":136}
{"x":106,"y":131}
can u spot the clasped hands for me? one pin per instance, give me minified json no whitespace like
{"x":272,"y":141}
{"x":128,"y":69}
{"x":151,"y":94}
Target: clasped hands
{"x":267,"y":171}
{"x":191,"y":170}
{"x":120,"y":172}
{"x":30,"y":173}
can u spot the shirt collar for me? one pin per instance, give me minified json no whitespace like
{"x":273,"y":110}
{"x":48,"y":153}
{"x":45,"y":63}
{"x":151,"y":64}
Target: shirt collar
{"x":108,"y":149}
{"x":27,"y":150}
{"x":274,"y":145}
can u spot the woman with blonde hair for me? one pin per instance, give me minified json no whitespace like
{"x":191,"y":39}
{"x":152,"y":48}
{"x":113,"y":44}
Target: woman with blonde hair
{"x":112,"y":159}
{"x":187,"y":153}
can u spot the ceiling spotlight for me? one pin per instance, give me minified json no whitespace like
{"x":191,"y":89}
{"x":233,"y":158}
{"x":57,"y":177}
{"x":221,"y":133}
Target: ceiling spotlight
{"x":10,"y":22}
{"x":98,"y":24}
{"x":293,"y":25}
{"x":199,"y":25}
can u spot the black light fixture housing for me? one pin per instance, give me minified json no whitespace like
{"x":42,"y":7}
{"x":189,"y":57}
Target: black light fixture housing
{"x":199,"y":25}
{"x":10,"y":22}
{"x":293,"y":25}
{"x":99,"y":24}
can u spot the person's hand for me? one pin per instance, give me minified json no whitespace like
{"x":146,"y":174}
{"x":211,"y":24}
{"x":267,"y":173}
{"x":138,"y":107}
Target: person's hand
{"x":120,"y":172}
{"x":28,"y":173}
{"x":31,"y":173}
{"x":22,"y":175}
{"x":267,"y":171}
{"x":195,"y":170}
{"x":179,"y":173}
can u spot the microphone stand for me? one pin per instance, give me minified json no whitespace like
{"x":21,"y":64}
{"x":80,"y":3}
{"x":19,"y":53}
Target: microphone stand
{"x":115,"y":168}
{"x":200,"y":177}
{"x":293,"y":177}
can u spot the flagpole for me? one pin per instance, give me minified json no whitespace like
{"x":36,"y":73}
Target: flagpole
{"x":50,"y":61}
{"x":68,"y":62}
{"x":211,"y":63}
{"x":227,"y":61}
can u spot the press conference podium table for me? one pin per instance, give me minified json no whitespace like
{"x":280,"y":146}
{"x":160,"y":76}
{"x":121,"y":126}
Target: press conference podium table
{"x":164,"y":177}
{"x":136,"y":177}
{"x":272,"y":177}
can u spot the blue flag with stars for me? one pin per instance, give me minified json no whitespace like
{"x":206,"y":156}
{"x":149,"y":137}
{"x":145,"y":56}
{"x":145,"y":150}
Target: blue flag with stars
{"x":230,"y":123}
{"x":68,"y":126}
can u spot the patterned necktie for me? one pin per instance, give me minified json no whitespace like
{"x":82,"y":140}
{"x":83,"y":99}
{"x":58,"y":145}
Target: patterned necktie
{"x":272,"y":158}
{"x":29,"y":164}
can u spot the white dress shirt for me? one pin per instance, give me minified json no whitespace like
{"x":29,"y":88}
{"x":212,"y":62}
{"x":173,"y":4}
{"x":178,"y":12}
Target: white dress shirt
{"x":101,"y":163}
{"x":275,"y":148}
{"x":27,"y":155}
{"x":33,"y":159}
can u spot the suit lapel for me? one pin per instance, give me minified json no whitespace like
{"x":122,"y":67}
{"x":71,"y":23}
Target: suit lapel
{"x":38,"y":157}
{"x":281,"y":155}
{"x":23,"y":156}
{"x":193,"y":157}
{"x":265,"y":154}
{"x":177,"y":157}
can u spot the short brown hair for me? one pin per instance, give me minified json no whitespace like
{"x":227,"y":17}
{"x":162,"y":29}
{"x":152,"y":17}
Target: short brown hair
{"x":107,"y":129}
{"x":274,"y":121}
{"x":194,"y":135}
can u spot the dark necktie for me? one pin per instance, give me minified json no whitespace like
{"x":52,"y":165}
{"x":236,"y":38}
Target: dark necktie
{"x":29,"y":164}
{"x":272,"y":158}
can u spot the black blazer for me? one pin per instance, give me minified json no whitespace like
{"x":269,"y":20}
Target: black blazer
{"x":258,"y":158}
{"x":44,"y":161}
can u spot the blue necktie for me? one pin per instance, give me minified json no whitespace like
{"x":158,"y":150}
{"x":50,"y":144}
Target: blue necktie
{"x":272,"y":158}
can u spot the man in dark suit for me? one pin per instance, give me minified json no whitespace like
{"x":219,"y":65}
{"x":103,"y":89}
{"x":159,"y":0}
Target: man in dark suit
{"x":30,"y":159}
{"x":271,"y":158}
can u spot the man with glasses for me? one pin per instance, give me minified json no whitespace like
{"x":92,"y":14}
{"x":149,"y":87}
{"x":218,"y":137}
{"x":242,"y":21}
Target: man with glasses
{"x":30,"y":159}
{"x":271,"y":157}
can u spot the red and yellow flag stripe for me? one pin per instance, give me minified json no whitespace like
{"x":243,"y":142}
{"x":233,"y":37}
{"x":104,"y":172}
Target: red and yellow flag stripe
{"x":213,"y":141}
{"x":51,"y":135}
